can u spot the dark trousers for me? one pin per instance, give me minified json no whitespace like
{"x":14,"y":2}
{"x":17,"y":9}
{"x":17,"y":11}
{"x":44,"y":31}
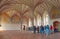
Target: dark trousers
{"x":37,"y":31}
{"x":55,"y":30}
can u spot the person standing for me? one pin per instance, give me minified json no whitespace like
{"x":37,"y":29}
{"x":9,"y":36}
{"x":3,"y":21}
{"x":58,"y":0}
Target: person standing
{"x":41,"y":29}
{"x":24,"y":28}
{"x":47,"y":30}
{"x":51,"y":29}
{"x":34,"y":29}
{"x":38,"y":29}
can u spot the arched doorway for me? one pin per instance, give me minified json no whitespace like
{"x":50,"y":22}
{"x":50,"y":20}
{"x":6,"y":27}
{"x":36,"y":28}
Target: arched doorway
{"x":56,"y":25}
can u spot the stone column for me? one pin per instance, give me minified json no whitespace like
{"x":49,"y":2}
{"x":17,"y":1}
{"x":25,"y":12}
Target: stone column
{"x":27,"y":22}
{"x":35,"y":20}
{"x":0,"y":19}
{"x":21,"y":21}
{"x":32,"y":16}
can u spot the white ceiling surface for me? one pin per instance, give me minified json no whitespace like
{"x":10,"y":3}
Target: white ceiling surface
{"x":25,"y":7}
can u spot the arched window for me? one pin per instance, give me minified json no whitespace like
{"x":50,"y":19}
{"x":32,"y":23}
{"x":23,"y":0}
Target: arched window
{"x":39,"y":20}
{"x":46,"y":18}
{"x":30,"y":22}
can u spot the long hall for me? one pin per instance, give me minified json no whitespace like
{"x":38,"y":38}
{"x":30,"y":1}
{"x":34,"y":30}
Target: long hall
{"x":23,"y":19}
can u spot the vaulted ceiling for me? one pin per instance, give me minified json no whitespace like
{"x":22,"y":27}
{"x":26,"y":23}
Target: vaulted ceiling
{"x":27,"y":7}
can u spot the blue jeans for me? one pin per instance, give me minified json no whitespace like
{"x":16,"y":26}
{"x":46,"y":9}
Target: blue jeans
{"x":47,"y":32}
{"x":34,"y":31}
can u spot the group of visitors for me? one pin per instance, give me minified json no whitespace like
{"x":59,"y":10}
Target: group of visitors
{"x":44,"y":29}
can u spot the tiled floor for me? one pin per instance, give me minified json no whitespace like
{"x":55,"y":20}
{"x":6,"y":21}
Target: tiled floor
{"x":26,"y":35}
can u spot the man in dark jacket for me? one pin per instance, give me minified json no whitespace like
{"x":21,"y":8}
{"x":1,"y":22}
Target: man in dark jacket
{"x":34,"y":28}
